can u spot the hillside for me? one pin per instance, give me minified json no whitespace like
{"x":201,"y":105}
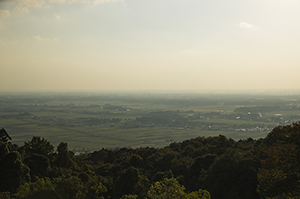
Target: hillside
{"x":248,"y":168}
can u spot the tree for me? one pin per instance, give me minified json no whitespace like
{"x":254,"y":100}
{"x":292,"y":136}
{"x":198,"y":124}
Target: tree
{"x":279,"y":175}
{"x":127,"y":181}
{"x":4,"y":149}
{"x":97,"y":191}
{"x":200,"y":194}
{"x":4,"y":137}
{"x":167,"y":188}
{"x":5,"y":195}
{"x":170,"y":188}
{"x":70,"y":188}
{"x":201,"y":164}
{"x":232,"y":175}
{"x":67,"y":188}
{"x":65,"y":158}
{"x":42,"y":188}
{"x":136,"y":161}
{"x":39,"y":165}
{"x":129,"y":197}
{"x":38,"y":145}
{"x":13,"y":172}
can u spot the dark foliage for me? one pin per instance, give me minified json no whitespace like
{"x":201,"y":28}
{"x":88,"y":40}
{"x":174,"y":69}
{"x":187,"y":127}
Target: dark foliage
{"x":4,"y":135}
{"x":224,"y":167}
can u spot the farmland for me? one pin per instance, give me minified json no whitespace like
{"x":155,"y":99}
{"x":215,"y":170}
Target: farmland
{"x":91,"y":121}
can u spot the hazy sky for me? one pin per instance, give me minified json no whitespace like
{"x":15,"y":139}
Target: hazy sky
{"x":149,"y":44}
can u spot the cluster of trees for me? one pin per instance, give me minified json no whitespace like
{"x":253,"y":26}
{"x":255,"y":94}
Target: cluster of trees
{"x":212,"y":167}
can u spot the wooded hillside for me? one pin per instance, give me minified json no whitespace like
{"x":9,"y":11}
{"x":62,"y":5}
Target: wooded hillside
{"x":211,"y":167}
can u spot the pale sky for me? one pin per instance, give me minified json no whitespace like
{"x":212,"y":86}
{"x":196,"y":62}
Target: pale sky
{"x":149,"y":44}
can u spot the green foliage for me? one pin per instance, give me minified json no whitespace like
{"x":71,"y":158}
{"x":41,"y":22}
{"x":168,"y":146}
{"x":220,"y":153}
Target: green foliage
{"x":136,"y":161}
{"x":167,"y":188}
{"x":202,"y":162}
{"x":65,"y":158}
{"x":39,"y":165}
{"x":4,"y":150}
{"x":13,"y":172}
{"x":160,"y":175}
{"x":170,"y":188}
{"x":4,"y":137}
{"x":128,"y":180}
{"x":5,"y":195}
{"x":62,"y":187}
{"x":129,"y":196}
{"x":38,"y":145}
{"x":200,"y":194}
{"x":42,"y":188}
{"x":181,"y":165}
{"x":279,"y":175}
{"x":232,"y":175}
{"x":99,"y":188}
{"x":67,"y":188}
{"x":223,"y":167}
{"x":70,"y":188}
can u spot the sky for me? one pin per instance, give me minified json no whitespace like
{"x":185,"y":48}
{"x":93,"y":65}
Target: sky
{"x":90,"y":45}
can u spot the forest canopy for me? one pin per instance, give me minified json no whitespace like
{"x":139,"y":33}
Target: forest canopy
{"x":202,"y":167}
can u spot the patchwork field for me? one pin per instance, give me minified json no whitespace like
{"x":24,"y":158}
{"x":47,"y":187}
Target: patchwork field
{"x":92,"y":122}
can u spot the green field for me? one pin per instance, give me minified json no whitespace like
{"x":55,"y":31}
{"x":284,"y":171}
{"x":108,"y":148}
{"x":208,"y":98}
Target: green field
{"x":78,"y":120}
{"x":97,"y":137}
{"x":103,"y":136}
